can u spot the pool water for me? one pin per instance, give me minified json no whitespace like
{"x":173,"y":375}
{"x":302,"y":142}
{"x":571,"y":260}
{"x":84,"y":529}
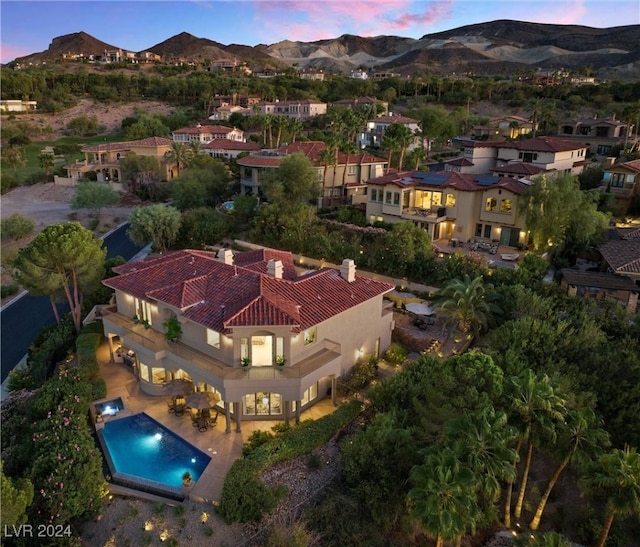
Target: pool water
{"x":228,"y":206}
{"x":139,"y":446}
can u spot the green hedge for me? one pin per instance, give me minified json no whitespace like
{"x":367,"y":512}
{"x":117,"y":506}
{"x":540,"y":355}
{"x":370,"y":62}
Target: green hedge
{"x":86,"y":347}
{"x":245,"y":498}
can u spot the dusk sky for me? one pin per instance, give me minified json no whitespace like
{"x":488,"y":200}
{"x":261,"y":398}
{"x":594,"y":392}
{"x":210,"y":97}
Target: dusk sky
{"x":29,"y":26}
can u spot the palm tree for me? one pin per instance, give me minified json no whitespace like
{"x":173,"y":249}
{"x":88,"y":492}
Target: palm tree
{"x":196,"y":148}
{"x":295,"y":126}
{"x":179,"y":154}
{"x":468,"y":302}
{"x":279,"y":123}
{"x":333,"y":143}
{"x":46,"y":160}
{"x":392,"y":145}
{"x":416,"y":157}
{"x":481,"y":440}
{"x":617,"y":476}
{"x":347,"y":148}
{"x":327,"y":157}
{"x":443,"y":496}
{"x":13,"y":157}
{"x":537,"y":408}
{"x":267,"y":125}
{"x":580,"y":439}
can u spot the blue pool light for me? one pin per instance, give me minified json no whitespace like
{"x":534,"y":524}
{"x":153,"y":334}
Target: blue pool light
{"x":158,"y":436}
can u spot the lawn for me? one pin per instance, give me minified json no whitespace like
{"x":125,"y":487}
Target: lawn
{"x":32,"y":151}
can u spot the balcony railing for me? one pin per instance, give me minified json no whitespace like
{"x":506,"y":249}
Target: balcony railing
{"x":138,"y":337}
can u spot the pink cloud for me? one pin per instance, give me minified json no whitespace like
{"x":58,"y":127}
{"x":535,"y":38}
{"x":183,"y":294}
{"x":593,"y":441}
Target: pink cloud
{"x":572,"y":13}
{"x":10,"y":52}
{"x":310,"y":21}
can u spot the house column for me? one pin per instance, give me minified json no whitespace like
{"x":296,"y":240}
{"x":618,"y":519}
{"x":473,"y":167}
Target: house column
{"x":334,"y":390}
{"x":227,"y":417}
{"x":287,"y":411}
{"x":298,"y":405}
{"x":236,"y":410}
{"x":110,"y":344}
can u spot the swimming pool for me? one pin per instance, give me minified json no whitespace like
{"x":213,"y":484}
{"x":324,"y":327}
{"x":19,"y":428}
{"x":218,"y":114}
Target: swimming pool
{"x":141,"y":452}
{"x":228,"y":206}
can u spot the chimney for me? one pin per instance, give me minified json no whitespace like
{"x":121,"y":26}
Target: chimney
{"x":348,"y":270}
{"x":225,"y":256}
{"x":274,"y":268}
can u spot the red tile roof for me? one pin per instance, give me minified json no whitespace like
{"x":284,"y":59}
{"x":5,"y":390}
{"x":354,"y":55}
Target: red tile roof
{"x":230,"y":144}
{"x":127,"y":145}
{"x":206,"y":130}
{"x":543,"y":144}
{"x":394,"y":119}
{"x":519,"y":169}
{"x":221,"y":296}
{"x":448,"y":179}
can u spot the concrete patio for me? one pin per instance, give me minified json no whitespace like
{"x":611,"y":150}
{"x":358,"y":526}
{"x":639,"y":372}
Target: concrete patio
{"x":223,"y":448}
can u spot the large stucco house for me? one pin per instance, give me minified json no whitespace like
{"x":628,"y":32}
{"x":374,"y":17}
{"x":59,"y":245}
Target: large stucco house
{"x":104,"y":160}
{"x":451,"y":205}
{"x":270,"y":341}
{"x":359,"y":167}
{"x":206,"y":133}
{"x":599,"y":135}
{"x":541,"y":153}
{"x":622,"y":181}
{"x":374,"y":130}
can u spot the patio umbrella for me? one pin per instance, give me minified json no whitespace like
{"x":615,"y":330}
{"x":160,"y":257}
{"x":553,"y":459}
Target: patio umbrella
{"x":179,"y":387}
{"x":202,"y":400}
{"x":420,"y":309}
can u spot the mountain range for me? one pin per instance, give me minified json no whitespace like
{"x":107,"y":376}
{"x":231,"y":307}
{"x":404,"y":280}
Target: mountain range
{"x":493,"y":48}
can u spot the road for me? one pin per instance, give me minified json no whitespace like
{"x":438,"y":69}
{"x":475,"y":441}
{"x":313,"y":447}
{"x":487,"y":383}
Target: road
{"x":22,"y":319}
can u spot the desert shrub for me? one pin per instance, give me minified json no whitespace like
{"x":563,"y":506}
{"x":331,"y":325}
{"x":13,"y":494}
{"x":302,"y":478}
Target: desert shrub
{"x":256,"y":439}
{"x":245,"y":497}
{"x":93,"y":223}
{"x":16,"y":226}
{"x":83,"y":125}
{"x":363,"y":372}
{"x":395,"y":354}
{"x":8,"y":290}
{"x":8,"y":181}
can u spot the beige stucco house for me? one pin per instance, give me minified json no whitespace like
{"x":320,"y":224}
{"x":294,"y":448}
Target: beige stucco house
{"x":622,"y":181}
{"x":104,"y":159}
{"x":450,"y":205}
{"x":206,"y":133}
{"x":269,"y":340}
{"x":359,"y":167}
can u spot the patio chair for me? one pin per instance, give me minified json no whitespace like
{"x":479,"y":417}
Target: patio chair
{"x":179,"y":410}
{"x":213,"y":420}
{"x":172,"y":405}
{"x":203,"y":425}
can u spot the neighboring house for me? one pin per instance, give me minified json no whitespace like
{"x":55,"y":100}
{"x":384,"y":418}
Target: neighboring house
{"x":450,"y":205}
{"x":600,"y":135}
{"x":223,"y":113}
{"x":206,"y":133}
{"x":623,"y":255}
{"x":17,"y":105}
{"x":543,"y":153}
{"x":104,"y":160}
{"x":359,"y":75}
{"x":303,"y":109}
{"x":622,"y":181}
{"x":374,"y":131}
{"x":310,"y":74}
{"x":359,"y":170}
{"x":377,"y":76}
{"x":601,"y":285}
{"x":269,"y":341}
{"x":228,"y":148}
{"x":364,"y":102}
{"x":509,"y":127}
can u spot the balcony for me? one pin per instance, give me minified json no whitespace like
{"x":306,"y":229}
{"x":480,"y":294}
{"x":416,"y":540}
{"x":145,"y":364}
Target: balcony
{"x":434,"y":215}
{"x":146,"y":341}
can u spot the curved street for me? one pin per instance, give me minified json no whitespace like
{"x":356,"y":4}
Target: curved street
{"x":23,"y":318}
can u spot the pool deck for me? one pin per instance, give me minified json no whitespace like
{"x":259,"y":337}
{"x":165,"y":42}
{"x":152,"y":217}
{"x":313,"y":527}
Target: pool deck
{"x":223,"y":448}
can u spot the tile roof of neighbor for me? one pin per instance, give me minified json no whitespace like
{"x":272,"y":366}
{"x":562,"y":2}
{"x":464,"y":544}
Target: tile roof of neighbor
{"x":230,"y":144}
{"x":394,"y":119}
{"x":633,"y":165}
{"x":127,"y":145}
{"x":600,"y":280}
{"x":449,"y":179}
{"x":462,"y":162}
{"x":622,"y":255}
{"x":311,"y":149}
{"x":543,"y":144}
{"x":628,"y":233}
{"x":519,"y":169}
{"x":206,"y":130}
{"x":220,"y":296}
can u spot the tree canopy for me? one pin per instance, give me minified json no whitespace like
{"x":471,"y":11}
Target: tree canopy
{"x":63,"y":258}
{"x":94,"y":196}
{"x":156,"y":224}
{"x":294,"y":182}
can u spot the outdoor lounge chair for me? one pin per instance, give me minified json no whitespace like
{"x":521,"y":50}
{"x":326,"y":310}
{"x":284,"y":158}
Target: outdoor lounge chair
{"x":179,"y":410}
{"x":172,"y":405}
{"x":202,"y":424}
